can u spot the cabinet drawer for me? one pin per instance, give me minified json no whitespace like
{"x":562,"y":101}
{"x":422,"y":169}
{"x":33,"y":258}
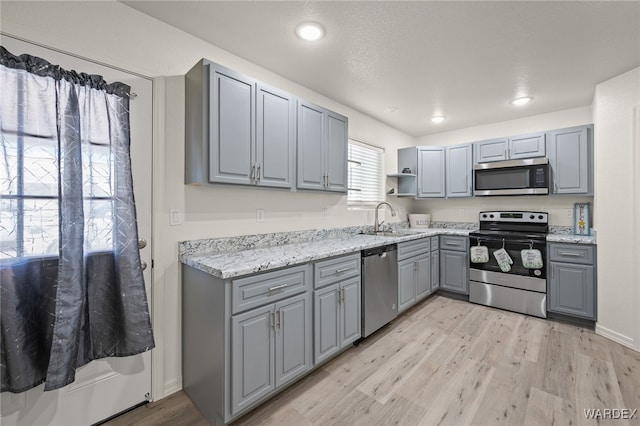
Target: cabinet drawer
{"x":450,"y":242}
{"x":329,"y":271}
{"x":413,"y":248}
{"x":257,"y":290}
{"x":572,"y":253}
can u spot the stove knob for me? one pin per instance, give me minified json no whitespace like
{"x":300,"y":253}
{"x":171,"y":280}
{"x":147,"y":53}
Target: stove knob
{"x":484,"y":216}
{"x":532,"y":217}
{"x":491,"y":216}
{"x":540,"y":217}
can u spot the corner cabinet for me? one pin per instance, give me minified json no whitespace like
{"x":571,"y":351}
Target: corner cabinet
{"x":321,"y":149}
{"x":238,"y":130}
{"x":572,"y":282}
{"x":571,"y":160}
{"x":459,"y":169}
{"x":431,"y":175}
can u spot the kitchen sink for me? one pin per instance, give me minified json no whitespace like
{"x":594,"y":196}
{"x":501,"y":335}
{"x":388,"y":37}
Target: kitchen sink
{"x":384,"y":233}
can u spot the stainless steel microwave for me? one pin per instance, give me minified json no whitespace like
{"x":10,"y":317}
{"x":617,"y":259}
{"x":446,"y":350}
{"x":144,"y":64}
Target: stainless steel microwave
{"x":529,"y":176}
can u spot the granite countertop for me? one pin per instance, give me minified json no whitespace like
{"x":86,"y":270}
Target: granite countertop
{"x":243,"y":262}
{"x":571,"y":238}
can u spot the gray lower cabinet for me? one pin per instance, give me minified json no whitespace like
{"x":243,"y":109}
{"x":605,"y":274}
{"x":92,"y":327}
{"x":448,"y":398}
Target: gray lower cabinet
{"x":454,"y":264}
{"x":571,"y":160}
{"x":435,"y":270}
{"x":572,"y":281}
{"x":336,"y":315}
{"x":238,"y":130}
{"x":459,"y":169}
{"x":431,"y":172}
{"x":414,"y":272}
{"x":321,"y":149}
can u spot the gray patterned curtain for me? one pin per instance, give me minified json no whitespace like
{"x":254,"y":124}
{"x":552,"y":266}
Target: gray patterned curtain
{"x":71,"y":285}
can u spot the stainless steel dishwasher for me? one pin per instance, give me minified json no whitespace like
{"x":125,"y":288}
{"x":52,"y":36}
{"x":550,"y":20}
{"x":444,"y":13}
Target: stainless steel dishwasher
{"x":379,"y":287}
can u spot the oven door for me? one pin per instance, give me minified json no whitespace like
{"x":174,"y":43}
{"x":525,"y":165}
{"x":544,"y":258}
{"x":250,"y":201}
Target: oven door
{"x":513,"y":248}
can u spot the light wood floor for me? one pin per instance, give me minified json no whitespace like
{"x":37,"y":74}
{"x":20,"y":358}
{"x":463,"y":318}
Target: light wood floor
{"x":448,"y":362}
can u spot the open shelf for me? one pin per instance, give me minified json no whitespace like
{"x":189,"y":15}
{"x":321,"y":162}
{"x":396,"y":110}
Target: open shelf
{"x":401,"y":175}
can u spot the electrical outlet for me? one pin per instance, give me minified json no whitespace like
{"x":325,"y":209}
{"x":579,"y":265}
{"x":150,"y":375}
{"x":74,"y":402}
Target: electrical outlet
{"x":569,"y":212}
{"x":259,"y":215}
{"x":460,"y":212}
{"x":175,"y":217}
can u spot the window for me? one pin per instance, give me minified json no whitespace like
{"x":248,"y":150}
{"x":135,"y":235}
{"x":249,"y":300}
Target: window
{"x":366,"y":174}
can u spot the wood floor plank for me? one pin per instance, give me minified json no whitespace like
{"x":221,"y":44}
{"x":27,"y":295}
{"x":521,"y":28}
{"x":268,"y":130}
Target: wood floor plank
{"x":544,"y":409}
{"x":448,"y":362}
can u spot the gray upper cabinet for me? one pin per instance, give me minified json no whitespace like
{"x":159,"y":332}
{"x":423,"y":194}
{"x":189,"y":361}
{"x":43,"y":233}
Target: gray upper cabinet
{"x":459,"y":170}
{"x":571,"y":160}
{"x":322,"y":149}
{"x":238,"y":131}
{"x":510,"y":148}
{"x":275,"y":138}
{"x":431,"y":172}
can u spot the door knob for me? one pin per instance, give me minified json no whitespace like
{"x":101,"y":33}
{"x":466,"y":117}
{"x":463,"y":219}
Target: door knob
{"x":142,"y":243}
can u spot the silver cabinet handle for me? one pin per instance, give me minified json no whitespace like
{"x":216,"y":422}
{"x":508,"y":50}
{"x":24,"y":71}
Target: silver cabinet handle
{"x":258,"y":174}
{"x":273,"y":320}
{"x":570,"y":254}
{"x":253,"y":173}
{"x":278,"y":287}
{"x":280,"y":319}
{"x":339,"y":271}
{"x":452,"y":244}
{"x":142,"y":243}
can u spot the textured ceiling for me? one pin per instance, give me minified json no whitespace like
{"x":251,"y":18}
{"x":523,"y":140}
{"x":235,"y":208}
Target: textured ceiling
{"x":463,"y":60}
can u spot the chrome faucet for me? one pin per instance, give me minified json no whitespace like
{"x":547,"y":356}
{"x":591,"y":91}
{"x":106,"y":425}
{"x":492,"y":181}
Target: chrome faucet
{"x":376,"y":225}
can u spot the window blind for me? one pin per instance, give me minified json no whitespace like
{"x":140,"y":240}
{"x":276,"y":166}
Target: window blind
{"x":366,"y":174}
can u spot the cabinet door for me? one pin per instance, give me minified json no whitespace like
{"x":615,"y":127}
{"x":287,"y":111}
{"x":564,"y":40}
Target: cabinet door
{"x":431,"y":172}
{"x":336,"y":165}
{"x":350,"y":312}
{"x":311,"y":147}
{"x":326,"y":322}
{"x":491,"y":150}
{"x":435,"y":270}
{"x":275,"y":138}
{"x":572,"y":290}
{"x":527,"y":146}
{"x":252,"y":357}
{"x":454,"y":271}
{"x":570,"y":159}
{"x":293,"y":338}
{"x":459,"y":170}
{"x":423,"y":276}
{"x":231,"y":132}
{"x":406,"y":284}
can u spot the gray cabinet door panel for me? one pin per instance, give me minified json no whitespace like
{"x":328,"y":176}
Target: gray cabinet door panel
{"x":406,"y":284}
{"x":252,"y":362}
{"x":293,"y":338}
{"x":423,"y":276}
{"x":491,"y":150}
{"x":459,"y":170}
{"x":527,"y":146}
{"x":326,"y":323}
{"x":431,"y":176}
{"x":231,"y":132}
{"x":336,"y":152}
{"x":454,"y":274}
{"x":572,"y":290}
{"x":275,"y":138}
{"x":311,"y":161}
{"x":435,"y":270}
{"x":350,"y":312}
{"x":570,"y":159}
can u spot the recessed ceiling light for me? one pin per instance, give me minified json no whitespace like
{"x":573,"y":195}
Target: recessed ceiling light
{"x":310,"y":31}
{"x":521,"y":101}
{"x":437,"y":119}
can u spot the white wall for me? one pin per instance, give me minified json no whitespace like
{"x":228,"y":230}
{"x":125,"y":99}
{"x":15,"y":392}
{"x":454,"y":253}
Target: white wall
{"x":117,"y":35}
{"x":560,"y":208}
{"x":617,"y":151}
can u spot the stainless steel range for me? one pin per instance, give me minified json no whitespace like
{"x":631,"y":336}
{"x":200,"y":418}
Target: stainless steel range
{"x":508,"y":261}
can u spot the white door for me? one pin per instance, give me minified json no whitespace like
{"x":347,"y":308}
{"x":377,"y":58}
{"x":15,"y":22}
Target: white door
{"x":104,"y":387}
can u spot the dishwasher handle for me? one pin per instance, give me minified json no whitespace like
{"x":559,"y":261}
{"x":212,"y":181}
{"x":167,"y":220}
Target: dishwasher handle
{"x":379,"y":251}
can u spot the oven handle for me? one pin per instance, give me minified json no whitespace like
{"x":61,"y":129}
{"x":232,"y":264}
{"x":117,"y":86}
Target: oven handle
{"x":504,"y":240}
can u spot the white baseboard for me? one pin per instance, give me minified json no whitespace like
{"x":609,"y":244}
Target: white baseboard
{"x":617,"y":337}
{"x":172,"y":386}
